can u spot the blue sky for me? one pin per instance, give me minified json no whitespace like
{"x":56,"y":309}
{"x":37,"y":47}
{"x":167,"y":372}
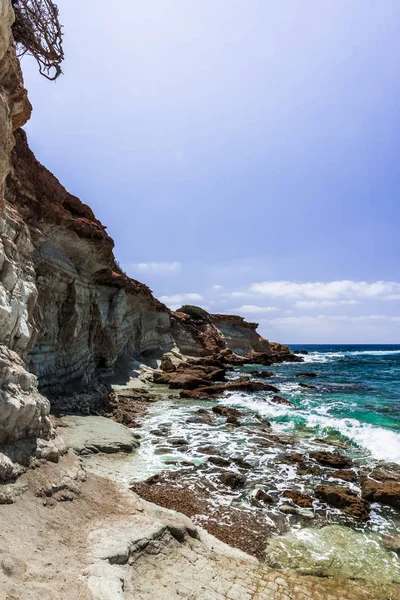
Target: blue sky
{"x":244,"y":154}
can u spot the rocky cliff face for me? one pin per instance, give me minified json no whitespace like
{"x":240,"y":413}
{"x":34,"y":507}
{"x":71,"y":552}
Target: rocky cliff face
{"x":67,"y":312}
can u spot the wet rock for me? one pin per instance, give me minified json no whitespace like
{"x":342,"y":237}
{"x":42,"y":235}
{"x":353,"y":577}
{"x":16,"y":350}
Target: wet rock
{"x":264,"y":374}
{"x":262,"y":420}
{"x":303,"y":500}
{"x":301,"y":352}
{"x":232,"y":479}
{"x":384,"y":492}
{"x":330,"y":459}
{"x":167,"y":364}
{"x":392,"y":542}
{"x":335,"y":443}
{"x":178,"y":441}
{"x":306,"y":385}
{"x":345,"y":499}
{"x":307,"y":375}
{"x":296,"y":457}
{"x":241,"y":385}
{"x":225,"y":411}
{"x":208,"y":450}
{"x":233,"y":421}
{"x":262,"y":496}
{"x":287,"y":509}
{"x":158,"y":432}
{"x":242,"y":463}
{"x":280,"y":400}
{"x":186,"y":381}
{"x":219,"y":461}
{"x":154,"y":479}
{"x":344,"y":474}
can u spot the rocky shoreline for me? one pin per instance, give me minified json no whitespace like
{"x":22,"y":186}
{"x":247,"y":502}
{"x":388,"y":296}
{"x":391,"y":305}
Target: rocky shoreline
{"x":100,"y":381}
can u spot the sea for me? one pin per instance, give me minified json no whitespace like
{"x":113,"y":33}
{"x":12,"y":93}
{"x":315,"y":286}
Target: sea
{"x":350,"y":405}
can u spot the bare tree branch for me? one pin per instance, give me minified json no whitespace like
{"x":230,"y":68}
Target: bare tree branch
{"x":37,"y":31}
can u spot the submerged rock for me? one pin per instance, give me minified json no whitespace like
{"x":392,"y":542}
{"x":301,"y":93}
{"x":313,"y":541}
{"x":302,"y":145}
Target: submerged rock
{"x":307,"y":375}
{"x":334,"y":551}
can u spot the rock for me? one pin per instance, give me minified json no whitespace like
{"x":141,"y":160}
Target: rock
{"x":178,"y":441}
{"x":242,"y":463}
{"x":287,"y":509}
{"x":280,"y":400}
{"x":233,"y":421}
{"x":232,"y":479}
{"x":264,"y":374}
{"x":306,"y":385}
{"x":330,"y":459}
{"x":186,"y":381}
{"x":208,"y":450}
{"x":392,"y":542}
{"x":301,"y":352}
{"x":226,"y":411}
{"x":167,"y":364}
{"x":296,"y":457}
{"x":241,"y":385}
{"x":306,"y":375}
{"x":344,"y":474}
{"x":345,"y":499}
{"x":91,"y":434}
{"x":303,"y":500}
{"x":384,"y":492}
{"x":218,"y":460}
{"x":153,"y":479}
{"x":262,"y":496}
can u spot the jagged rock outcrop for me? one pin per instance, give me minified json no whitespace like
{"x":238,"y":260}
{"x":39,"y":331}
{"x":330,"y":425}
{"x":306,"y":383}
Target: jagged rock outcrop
{"x":23,"y":410}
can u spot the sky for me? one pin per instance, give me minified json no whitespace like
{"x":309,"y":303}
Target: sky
{"x":244,"y":154}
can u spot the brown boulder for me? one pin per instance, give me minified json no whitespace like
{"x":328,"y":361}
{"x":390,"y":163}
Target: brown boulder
{"x":280,"y":400}
{"x":264,"y":497}
{"x":345,"y":499}
{"x":225,"y":411}
{"x":233,"y":480}
{"x":344,"y":474}
{"x":384,"y":492}
{"x":186,"y":381}
{"x":303,"y":500}
{"x":241,"y":385}
{"x":331,"y":459}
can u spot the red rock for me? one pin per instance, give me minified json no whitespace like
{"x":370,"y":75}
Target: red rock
{"x":385,"y":492}
{"x":225,"y":411}
{"x":233,"y":480}
{"x":303,"y":500}
{"x":345,"y":499}
{"x":331,"y":459}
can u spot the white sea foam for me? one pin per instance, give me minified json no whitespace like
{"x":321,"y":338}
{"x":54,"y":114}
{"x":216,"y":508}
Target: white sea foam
{"x":323,"y":357}
{"x":382,"y":444}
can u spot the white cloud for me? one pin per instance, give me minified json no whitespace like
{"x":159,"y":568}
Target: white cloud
{"x":176,"y":300}
{"x":307,"y":329}
{"x":218,"y":287}
{"x":251,"y":308}
{"x":158,"y":267}
{"x":330,"y":291}
{"x":317,"y":303}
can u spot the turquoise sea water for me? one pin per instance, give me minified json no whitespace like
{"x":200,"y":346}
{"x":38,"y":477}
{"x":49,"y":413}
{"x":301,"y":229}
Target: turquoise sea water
{"x":357,"y":393}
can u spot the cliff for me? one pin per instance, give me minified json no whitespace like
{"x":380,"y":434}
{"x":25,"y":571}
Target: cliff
{"x":68,"y":313}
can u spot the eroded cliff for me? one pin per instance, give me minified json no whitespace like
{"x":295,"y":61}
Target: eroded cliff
{"x":68,"y":312}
